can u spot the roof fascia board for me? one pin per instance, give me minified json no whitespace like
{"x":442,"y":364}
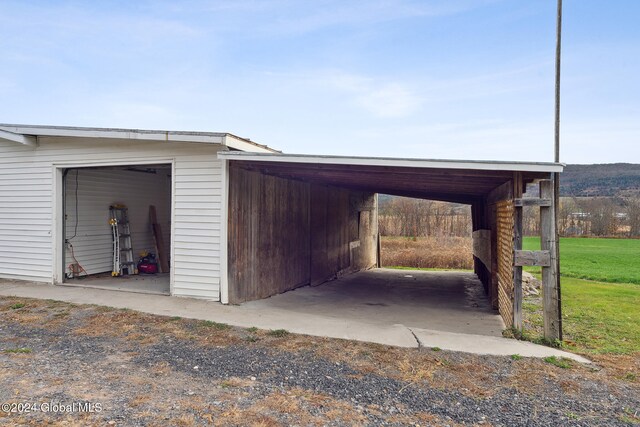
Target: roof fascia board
{"x":19,"y":138}
{"x":164,"y":136}
{"x":381,"y":161}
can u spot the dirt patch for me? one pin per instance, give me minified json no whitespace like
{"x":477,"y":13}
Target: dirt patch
{"x":154,"y":370}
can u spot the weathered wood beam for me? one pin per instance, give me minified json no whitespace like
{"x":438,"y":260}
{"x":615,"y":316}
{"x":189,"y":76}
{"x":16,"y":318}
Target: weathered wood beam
{"x":427,"y":195}
{"x":492,"y":216}
{"x":386,"y":177}
{"x":482,"y":246}
{"x":551,"y":312}
{"x":394,"y":186}
{"x":504,"y":175}
{"x":531,"y":258}
{"x":533,"y":201}
{"x":383,"y":189}
{"x":501,"y":192}
{"x":19,"y":138}
{"x":517,"y":246}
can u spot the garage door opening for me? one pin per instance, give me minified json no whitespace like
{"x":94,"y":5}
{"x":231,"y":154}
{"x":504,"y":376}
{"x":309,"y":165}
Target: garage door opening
{"x":424,"y":234}
{"x":139,"y":198}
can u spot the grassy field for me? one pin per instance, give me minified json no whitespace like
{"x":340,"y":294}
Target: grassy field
{"x":598,"y":318}
{"x":604,"y":260}
{"x":600,"y":295}
{"x":448,"y":253}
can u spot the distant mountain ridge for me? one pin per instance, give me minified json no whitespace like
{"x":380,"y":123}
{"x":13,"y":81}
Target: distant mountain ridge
{"x":607,"y":180}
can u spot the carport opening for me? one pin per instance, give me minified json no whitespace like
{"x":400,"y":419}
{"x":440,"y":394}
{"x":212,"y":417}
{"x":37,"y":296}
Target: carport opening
{"x":139,"y":197}
{"x":424,"y":234}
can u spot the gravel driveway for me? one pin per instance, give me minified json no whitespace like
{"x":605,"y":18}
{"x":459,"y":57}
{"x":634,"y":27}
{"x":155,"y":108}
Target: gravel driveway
{"x":119,"y":367}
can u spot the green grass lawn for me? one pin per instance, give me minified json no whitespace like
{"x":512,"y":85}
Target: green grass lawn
{"x":597,"y":317}
{"x":602,"y":317}
{"x":604,"y":260}
{"x":600,"y":314}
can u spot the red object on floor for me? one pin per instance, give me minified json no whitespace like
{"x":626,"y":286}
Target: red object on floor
{"x":147,"y":268}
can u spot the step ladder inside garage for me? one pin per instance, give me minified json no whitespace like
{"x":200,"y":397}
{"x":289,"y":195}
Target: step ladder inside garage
{"x":123,"y":263}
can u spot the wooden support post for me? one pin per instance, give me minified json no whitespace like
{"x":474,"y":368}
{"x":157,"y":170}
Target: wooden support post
{"x":378,"y":251}
{"x":517,"y":246}
{"x":493,"y":283}
{"x":161,"y":253}
{"x":474,"y":227}
{"x":551,"y":312}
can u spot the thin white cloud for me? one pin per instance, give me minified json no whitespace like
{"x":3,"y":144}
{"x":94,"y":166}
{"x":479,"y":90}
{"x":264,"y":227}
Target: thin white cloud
{"x":472,"y":139}
{"x":390,"y":100}
{"x":382,"y":99}
{"x":534,"y":74}
{"x":296,"y":17}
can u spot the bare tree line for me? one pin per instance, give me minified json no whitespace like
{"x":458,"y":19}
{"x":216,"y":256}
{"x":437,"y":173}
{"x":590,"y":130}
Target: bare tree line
{"x":591,"y":216}
{"x":577,"y":216}
{"x":401,"y":216}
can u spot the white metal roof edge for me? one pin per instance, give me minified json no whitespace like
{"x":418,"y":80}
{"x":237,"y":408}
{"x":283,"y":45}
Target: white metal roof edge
{"x":398,"y":162}
{"x":223,"y":138}
{"x":116,"y":133}
{"x":17,"y":137}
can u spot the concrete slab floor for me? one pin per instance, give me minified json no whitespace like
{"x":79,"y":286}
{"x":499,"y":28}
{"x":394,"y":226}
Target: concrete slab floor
{"x":335,"y":320}
{"x":445,"y":301}
{"x":140,"y":283}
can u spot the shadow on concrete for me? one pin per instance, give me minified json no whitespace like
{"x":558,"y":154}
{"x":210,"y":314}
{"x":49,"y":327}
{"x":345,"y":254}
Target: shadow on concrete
{"x":448,"y":301}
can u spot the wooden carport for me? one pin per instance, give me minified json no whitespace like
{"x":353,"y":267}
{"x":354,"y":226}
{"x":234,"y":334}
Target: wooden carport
{"x":493,"y":189}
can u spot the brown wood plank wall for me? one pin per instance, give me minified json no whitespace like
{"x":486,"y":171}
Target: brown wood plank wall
{"x":344,"y":228}
{"x":481,"y":242}
{"x":284,"y":233}
{"x":268,"y":247}
{"x":329,"y":237}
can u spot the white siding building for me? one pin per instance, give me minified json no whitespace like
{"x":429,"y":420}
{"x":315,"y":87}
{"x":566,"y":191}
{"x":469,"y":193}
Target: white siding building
{"x":241,"y":222}
{"x":57,"y":183}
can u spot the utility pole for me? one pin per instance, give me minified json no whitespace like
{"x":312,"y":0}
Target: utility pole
{"x":556,"y":175}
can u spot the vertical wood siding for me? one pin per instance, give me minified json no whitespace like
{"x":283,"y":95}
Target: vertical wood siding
{"x":330,"y":232}
{"x":285,"y":233}
{"x":344,"y":228}
{"x":26,"y":205}
{"x":268,"y":235}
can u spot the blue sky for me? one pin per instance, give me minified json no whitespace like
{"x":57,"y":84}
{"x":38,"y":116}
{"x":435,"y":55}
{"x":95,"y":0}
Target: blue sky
{"x":462,"y":79}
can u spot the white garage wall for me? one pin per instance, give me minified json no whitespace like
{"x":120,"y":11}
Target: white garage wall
{"x":27,"y":177}
{"x":197,"y":220}
{"x":97,"y":189}
{"x":25,"y":215}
